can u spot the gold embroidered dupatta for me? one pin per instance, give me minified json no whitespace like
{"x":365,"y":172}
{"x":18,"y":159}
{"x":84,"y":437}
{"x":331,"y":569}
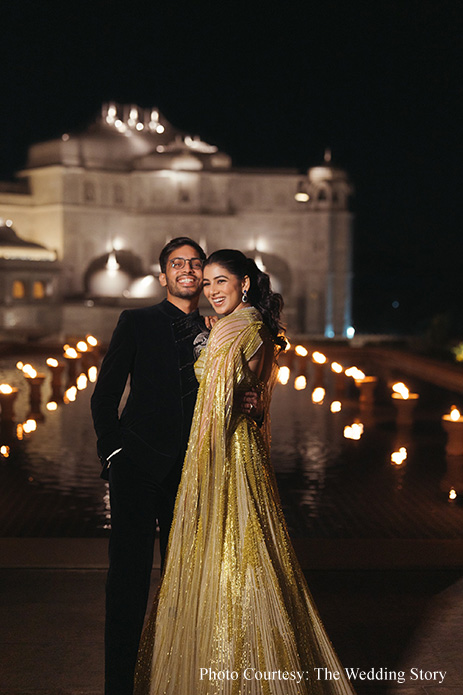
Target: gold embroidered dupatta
{"x":233,"y":599}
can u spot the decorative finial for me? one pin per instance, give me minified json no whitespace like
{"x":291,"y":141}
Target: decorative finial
{"x":327,"y":156}
{"x":111,"y":263}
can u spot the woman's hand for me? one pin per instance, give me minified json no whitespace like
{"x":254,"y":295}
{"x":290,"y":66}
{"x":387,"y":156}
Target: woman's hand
{"x":251,"y":405}
{"x":210,"y":321}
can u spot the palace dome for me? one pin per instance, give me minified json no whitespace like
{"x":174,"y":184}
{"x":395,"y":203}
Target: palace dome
{"x":13,"y":247}
{"x":119,"y":274}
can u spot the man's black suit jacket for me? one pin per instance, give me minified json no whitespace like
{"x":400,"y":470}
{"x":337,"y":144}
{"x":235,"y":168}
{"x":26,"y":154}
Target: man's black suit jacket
{"x":154,"y":346}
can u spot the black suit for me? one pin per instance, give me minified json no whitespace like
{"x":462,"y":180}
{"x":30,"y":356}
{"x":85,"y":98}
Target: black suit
{"x":155,"y":347}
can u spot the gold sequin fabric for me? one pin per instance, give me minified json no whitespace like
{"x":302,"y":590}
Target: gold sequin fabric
{"x":233,"y":615}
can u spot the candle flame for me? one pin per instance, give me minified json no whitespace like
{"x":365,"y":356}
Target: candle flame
{"x":92,"y":374}
{"x":52,"y":405}
{"x":6,"y":389}
{"x":81,"y":382}
{"x":336,"y":367}
{"x":301,"y":351}
{"x":52,"y":362}
{"x":353,"y":431}
{"x":29,"y":426}
{"x":5,"y":451}
{"x":336,"y":407}
{"x":283,"y":375}
{"x":452,"y":494}
{"x":355,"y":373}
{"x":401,"y":389}
{"x":318,"y":395}
{"x":318,"y":357}
{"x":91,"y":340}
{"x":71,"y":353}
{"x":19,"y":365}
{"x":29,"y":371}
{"x":70,"y":394}
{"x":398,"y":457}
{"x":82,"y":346}
{"x":454,"y":413}
{"x":300,"y":383}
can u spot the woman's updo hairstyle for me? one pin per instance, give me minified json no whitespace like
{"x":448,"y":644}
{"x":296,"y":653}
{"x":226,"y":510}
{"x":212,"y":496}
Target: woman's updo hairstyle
{"x":270,"y":304}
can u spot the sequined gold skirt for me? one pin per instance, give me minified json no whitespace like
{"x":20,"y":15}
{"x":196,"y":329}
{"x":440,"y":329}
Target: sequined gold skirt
{"x":234,"y":615}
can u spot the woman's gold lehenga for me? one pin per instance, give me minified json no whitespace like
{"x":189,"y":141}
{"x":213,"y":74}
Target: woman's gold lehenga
{"x":233,"y":602}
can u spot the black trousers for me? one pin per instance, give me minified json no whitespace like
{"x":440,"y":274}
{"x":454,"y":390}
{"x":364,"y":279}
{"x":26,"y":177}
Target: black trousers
{"x":137,"y":503}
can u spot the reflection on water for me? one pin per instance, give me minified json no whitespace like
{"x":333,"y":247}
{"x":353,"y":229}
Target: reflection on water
{"x":384,"y":478}
{"x":51,"y":472}
{"x":356,"y":470}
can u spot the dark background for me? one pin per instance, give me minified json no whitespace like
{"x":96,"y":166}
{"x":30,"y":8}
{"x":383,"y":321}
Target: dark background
{"x":273,"y":84}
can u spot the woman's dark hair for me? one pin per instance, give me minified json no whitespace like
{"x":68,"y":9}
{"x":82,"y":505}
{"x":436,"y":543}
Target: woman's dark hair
{"x":260,"y":294}
{"x":175,"y":244}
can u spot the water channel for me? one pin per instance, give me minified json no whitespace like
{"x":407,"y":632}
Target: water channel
{"x":331,"y":486}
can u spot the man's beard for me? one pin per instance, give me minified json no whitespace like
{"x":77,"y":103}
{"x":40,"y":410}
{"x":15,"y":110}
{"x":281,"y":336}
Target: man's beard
{"x":177,"y":290}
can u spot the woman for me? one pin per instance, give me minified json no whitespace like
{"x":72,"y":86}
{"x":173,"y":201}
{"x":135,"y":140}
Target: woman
{"x":234,"y":614}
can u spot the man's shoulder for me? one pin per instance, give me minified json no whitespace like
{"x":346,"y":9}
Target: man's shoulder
{"x":145,"y":313}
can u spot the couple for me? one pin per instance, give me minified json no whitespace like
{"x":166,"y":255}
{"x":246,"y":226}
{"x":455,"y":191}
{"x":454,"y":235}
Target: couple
{"x":233,"y":606}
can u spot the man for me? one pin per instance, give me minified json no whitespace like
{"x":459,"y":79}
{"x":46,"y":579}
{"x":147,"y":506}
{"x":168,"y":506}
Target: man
{"x":142,"y":452}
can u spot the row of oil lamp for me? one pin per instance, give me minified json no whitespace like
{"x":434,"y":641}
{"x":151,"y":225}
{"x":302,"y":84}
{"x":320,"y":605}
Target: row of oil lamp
{"x":401,"y":395}
{"x":79,"y":374}
{"x":87,"y":350}
{"x":404,"y":401}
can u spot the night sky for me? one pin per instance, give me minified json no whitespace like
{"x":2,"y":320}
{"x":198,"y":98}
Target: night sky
{"x":273,"y":84}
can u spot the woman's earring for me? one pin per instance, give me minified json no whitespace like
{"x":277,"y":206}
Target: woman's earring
{"x":244,"y":298}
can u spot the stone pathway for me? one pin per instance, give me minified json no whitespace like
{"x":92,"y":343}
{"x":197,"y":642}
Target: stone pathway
{"x":51,"y":628}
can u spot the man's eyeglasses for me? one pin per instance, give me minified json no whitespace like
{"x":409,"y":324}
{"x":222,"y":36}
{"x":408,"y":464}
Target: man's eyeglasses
{"x":179,"y":263}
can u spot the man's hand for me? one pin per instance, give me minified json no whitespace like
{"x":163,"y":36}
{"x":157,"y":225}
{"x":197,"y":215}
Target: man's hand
{"x":210,"y":321}
{"x":252,"y":406}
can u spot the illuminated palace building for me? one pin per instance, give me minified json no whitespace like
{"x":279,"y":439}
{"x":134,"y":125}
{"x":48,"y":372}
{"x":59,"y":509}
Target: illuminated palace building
{"x":82,"y":227}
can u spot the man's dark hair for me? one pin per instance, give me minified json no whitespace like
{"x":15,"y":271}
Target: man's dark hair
{"x":175,"y":244}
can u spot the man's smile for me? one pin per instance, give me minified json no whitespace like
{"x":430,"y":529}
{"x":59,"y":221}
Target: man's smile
{"x":187,"y":280}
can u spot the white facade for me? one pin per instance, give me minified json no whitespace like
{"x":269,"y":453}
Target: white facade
{"x":29,"y":288}
{"x":132,"y":182}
